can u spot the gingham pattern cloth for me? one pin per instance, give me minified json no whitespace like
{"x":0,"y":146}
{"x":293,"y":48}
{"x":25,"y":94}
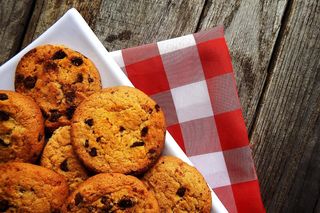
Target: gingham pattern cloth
{"x":191,"y":78}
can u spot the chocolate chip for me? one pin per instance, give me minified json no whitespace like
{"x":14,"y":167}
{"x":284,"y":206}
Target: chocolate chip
{"x":107,"y":204}
{"x":93,"y":152}
{"x":2,"y":143}
{"x":55,"y":211}
{"x":151,"y":151}
{"x":60,"y":54}
{"x":4,"y":116}
{"x":50,"y":65}
{"x":55,"y":116}
{"x":90,"y":80}
{"x":70,"y":111}
{"x":89,"y":121}
{"x":144,"y":131}
{"x":69,"y":207}
{"x":98,"y":139}
{"x":4,"y":205}
{"x":157,"y":107}
{"x":22,"y":190}
{"x":137,"y":143}
{"x":79,"y":78}
{"x":86,"y":143}
{"x":90,"y":208}
{"x":122,"y":129}
{"x":70,"y":96}
{"x":40,"y":137}
{"x":125,"y":203}
{"x":30,"y":81}
{"x":19,"y":79}
{"x":64,"y":165}
{"x":78,"y":199}
{"x":181,"y":191}
{"x":77,"y":61}
{"x":104,"y":200}
{"x":152,"y":154}
{"x":3,"y":96}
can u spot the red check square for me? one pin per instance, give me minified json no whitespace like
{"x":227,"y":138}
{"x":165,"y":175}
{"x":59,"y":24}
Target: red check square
{"x":232,"y":130}
{"x":176,"y":133}
{"x":246,"y":197}
{"x":215,"y":57}
{"x":148,"y":75}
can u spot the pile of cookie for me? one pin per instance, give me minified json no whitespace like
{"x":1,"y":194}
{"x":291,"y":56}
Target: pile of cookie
{"x":67,"y":145}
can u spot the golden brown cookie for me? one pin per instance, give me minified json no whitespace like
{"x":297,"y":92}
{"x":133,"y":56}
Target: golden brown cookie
{"x":119,"y":129}
{"x":178,"y":186}
{"x":111,"y":192}
{"x":21,"y":128}
{"x":29,"y":188}
{"x":58,"y":156}
{"x":58,"y":79}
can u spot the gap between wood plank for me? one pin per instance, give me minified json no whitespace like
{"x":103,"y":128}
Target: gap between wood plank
{"x":33,"y":5}
{"x":272,"y":62}
{"x":202,"y":15}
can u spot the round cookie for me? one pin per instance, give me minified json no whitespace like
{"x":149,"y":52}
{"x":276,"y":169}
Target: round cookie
{"x":29,"y":188}
{"x":58,"y":156}
{"x":118,"y":129}
{"x":111,"y":192}
{"x":58,"y":79}
{"x":178,"y":187}
{"x":21,"y":128}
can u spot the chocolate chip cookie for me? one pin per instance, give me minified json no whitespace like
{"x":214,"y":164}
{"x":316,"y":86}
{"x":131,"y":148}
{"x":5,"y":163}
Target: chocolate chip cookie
{"x":111,"y":192}
{"x":29,"y":188}
{"x":118,"y":129}
{"x":178,"y":186}
{"x":58,"y":79}
{"x":21,"y":128}
{"x":58,"y":155}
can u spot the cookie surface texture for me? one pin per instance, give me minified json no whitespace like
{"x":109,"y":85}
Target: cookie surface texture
{"x":29,"y":188}
{"x":178,"y":186}
{"x":59,"y":156}
{"x":21,"y":128}
{"x":58,"y":79}
{"x":118,"y":129}
{"x":111,"y":192}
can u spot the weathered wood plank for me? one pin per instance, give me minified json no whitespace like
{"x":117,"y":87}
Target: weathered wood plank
{"x":121,"y":23}
{"x":287,"y":130}
{"x":14,"y":17}
{"x":47,"y":12}
{"x":251,"y":29}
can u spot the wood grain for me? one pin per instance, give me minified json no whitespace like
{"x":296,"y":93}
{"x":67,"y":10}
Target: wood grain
{"x":286,"y":134}
{"x":251,"y":29}
{"x":14,"y":16}
{"x":124,"y":23}
{"x":121,"y":23}
{"x":48,"y":12}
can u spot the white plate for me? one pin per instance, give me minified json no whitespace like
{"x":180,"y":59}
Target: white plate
{"x":72,"y":31}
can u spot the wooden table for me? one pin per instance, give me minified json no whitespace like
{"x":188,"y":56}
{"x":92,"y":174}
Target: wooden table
{"x":275,"y":49}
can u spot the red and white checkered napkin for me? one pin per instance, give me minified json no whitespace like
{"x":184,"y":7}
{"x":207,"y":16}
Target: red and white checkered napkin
{"x":191,"y":78}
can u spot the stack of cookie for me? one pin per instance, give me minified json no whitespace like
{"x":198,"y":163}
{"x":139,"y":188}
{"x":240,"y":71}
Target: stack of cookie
{"x":99,"y":142}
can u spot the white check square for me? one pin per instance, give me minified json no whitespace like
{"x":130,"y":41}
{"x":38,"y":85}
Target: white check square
{"x":212,"y":166}
{"x":176,"y":44}
{"x":192,"y":101}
